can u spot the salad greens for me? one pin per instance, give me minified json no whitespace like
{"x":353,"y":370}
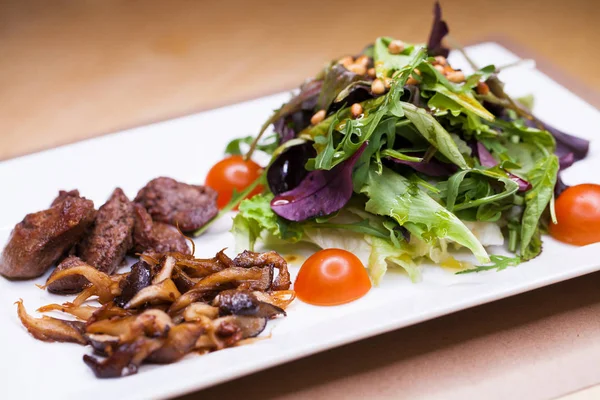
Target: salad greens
{"x":435,"y":155}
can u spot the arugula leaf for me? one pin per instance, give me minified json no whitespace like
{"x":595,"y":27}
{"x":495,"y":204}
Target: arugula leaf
{"x":480,"y":75}
{"x":391,"y":194}
{"x":268,"y":146}
{"x":498,"y":263}
{"x":385,"y":129}
{"x":325,"y":158}
{"x":435,"y":134}
{"x":400,"y":156}
{"x":441,"y":105}
{"x":543,"y":179}
{"x":357,"y":132}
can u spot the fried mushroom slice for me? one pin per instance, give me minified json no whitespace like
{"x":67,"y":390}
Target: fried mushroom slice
{"x":180,"y":341}
{"x":50,"y":329}
{"x":254,"y":278}
{"x":103,"y":345}
{"x":182,"y":280}
{"x":108,"y":311}
{"x":138,"y":278}
{"x":201,"y":267}
{"x":125,"y":359}
{"x":102,"y":283}
{"x":167,"y":263}
{"x":279,"y":298}
{"x":82,"y":312}
{"x":163,"y":292}
{"x":195,"y":312}
{"x":251,"y":259}
{"x":151,"y":323}
{"x":70,"y":284}
{"x":243,"y":302}
{"x":229,"y":330}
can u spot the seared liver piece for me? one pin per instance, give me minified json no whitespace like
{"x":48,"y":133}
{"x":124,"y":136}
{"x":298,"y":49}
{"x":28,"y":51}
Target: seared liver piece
{"x":175,"y":203}
{"x":62,"y":195}
{"x":70,"y":284}
{"x":37,"y":242}
{"x":155,"y":236}
{"x":111,"y":237}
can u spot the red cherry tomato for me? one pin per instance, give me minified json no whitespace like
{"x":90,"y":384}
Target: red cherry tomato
{"x":331,"y":277}
{"x":233,"y":173}
{"x":578,"y":215}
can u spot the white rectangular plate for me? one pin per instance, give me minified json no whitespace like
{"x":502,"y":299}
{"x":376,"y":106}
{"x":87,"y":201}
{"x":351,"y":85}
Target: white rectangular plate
{"x":185,"y":149}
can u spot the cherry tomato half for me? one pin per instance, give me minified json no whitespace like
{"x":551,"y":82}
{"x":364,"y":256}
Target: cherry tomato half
{"x":331,"y":277}
{"x":233,"y":173}
{"x":578,"y":215}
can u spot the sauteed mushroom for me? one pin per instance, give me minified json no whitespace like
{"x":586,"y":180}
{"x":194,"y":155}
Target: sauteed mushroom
{"x":167,"y":306}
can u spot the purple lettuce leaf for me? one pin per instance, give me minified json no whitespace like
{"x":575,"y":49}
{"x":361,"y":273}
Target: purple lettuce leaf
{"x":358,"y":93}
{"x":432,"y":167}
{"x":566,"y":161}
{"x":560,"y":186}
{"x":283,"y":127}
{"x":565,"y":143}
{"x":438,"y":31}
{"x":337,"y":79}
{"x":287,"y":171}
{"x":295,"y":115}
{"x":485,"y":157}
{"x":322,"y":192}
{"x":487,"y":160}
{"x":412,"y":94}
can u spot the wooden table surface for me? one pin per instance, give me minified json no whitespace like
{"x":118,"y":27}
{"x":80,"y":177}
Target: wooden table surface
{"x":71,"y":70}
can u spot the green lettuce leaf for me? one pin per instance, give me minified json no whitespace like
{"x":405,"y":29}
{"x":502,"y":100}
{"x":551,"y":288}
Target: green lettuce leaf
{"x":435,"y":134}
{"x":254,"y":218}
{"x":385,"y":253}
{"x":543,"y":179}
{"x":391,"y":194}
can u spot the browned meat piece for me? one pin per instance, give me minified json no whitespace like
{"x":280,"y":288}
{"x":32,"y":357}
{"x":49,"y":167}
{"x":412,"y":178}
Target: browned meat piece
{"x":175,"y":203}
{"x":155,"y":236}
{"x":111,"y":237}
{"x":70,"y":284}
{"x":62,"y":195}
{"x":42,"y":238}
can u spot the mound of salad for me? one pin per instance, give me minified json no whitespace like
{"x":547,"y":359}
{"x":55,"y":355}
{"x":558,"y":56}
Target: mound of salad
{"x":394,"y":155}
